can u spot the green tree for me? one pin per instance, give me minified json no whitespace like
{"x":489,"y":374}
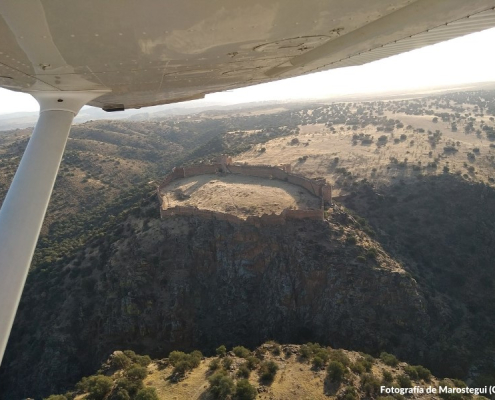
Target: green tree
{"x":423,"y":373}
{"x":243,"y":372}
{"x":227,"y":362}
{"x":56,"y":397}
{"x":367,"y":362}
{"x":350,"y":393}
{"x":389,"y":359}
{"x":144,"y":361}
{"x":214,"y":364}
{"x":196,"y":357}
{"x":358,"y":368}
{"x":387,"y":377}
{"x":252,"y":362}
{"x":121,"y":394}
{"x":136,"y":372}
{"x":221,"y":386}
{"x":370,"y":385}
{"x":268,"y":369}
{"x":323,"y":355}
{"x":146,"y":394}
{"x":418,"y":372}
{"x":183,"y":362}
{"x":175,"y":356}
{"x":340,"y":356}
{"x":120,"y":361}
{"x":335,"y":371}
{"x":99,"y":386}
{"x":404,"y":381}
{"x":129,"y":386}
{"x":411,"y":371}
{"x":318,"y":363}
{"x":221,"y":351}
{"x":245,"y":391}
{"x":181,"y":368}
{"x":305,"y":351}
{"x":241,"y":351}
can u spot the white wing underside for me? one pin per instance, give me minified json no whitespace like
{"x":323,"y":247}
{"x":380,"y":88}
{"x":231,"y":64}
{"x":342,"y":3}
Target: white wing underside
{"x":151,"y":52}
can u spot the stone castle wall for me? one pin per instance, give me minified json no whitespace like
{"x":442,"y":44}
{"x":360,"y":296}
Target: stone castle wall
{"x":176,"y":173}
{"x":317,"y":188}
{"x":260,"y":171}
{"x":310,"y":185}
{"x":302,"y":214}
{"x":202,"y":170}
{"x":265,"y":219}
{"x":326,"y":193}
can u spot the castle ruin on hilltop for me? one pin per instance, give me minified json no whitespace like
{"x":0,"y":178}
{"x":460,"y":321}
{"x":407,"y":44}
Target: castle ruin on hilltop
{"x":224,"y":165}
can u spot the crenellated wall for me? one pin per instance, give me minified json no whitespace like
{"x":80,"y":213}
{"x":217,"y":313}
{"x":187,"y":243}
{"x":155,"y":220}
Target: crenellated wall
{"x":317,"y":188}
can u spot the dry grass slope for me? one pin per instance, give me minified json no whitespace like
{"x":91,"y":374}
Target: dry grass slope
{"x":308,"y":372}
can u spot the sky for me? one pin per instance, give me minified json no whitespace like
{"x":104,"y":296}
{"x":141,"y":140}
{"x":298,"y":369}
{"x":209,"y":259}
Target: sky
{"x":463,"y":60}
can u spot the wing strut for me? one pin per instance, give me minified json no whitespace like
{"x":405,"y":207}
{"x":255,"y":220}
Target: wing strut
{"x":24,"y":207}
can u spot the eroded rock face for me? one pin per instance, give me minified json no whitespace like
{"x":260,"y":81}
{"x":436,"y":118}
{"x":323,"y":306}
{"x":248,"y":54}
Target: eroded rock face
{"x":185,"y":283}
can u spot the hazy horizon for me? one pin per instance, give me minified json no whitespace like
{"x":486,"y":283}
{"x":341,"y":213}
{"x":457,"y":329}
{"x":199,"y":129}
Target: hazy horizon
{"x":458,"y":61}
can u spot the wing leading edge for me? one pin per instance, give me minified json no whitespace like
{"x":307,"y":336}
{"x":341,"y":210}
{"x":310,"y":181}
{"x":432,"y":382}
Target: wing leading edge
{"x":152,"y":52}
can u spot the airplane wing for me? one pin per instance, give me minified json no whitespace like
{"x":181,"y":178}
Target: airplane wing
{"x":151,"y":52}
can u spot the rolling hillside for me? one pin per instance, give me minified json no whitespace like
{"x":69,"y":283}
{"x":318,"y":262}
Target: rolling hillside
{"x":402,"y":262}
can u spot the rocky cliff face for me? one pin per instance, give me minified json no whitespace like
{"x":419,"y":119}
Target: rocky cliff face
{"x":184,"y":283}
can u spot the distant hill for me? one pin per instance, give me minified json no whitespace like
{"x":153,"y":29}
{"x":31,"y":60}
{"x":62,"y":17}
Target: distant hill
{"x":21,"y":120}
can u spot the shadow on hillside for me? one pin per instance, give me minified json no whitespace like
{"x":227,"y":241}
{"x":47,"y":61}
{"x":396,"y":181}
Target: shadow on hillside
{"x":402,"y":171}
{"x":442,"y":230}
{"x":206,"y":395}
{"x":330,"y":388}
